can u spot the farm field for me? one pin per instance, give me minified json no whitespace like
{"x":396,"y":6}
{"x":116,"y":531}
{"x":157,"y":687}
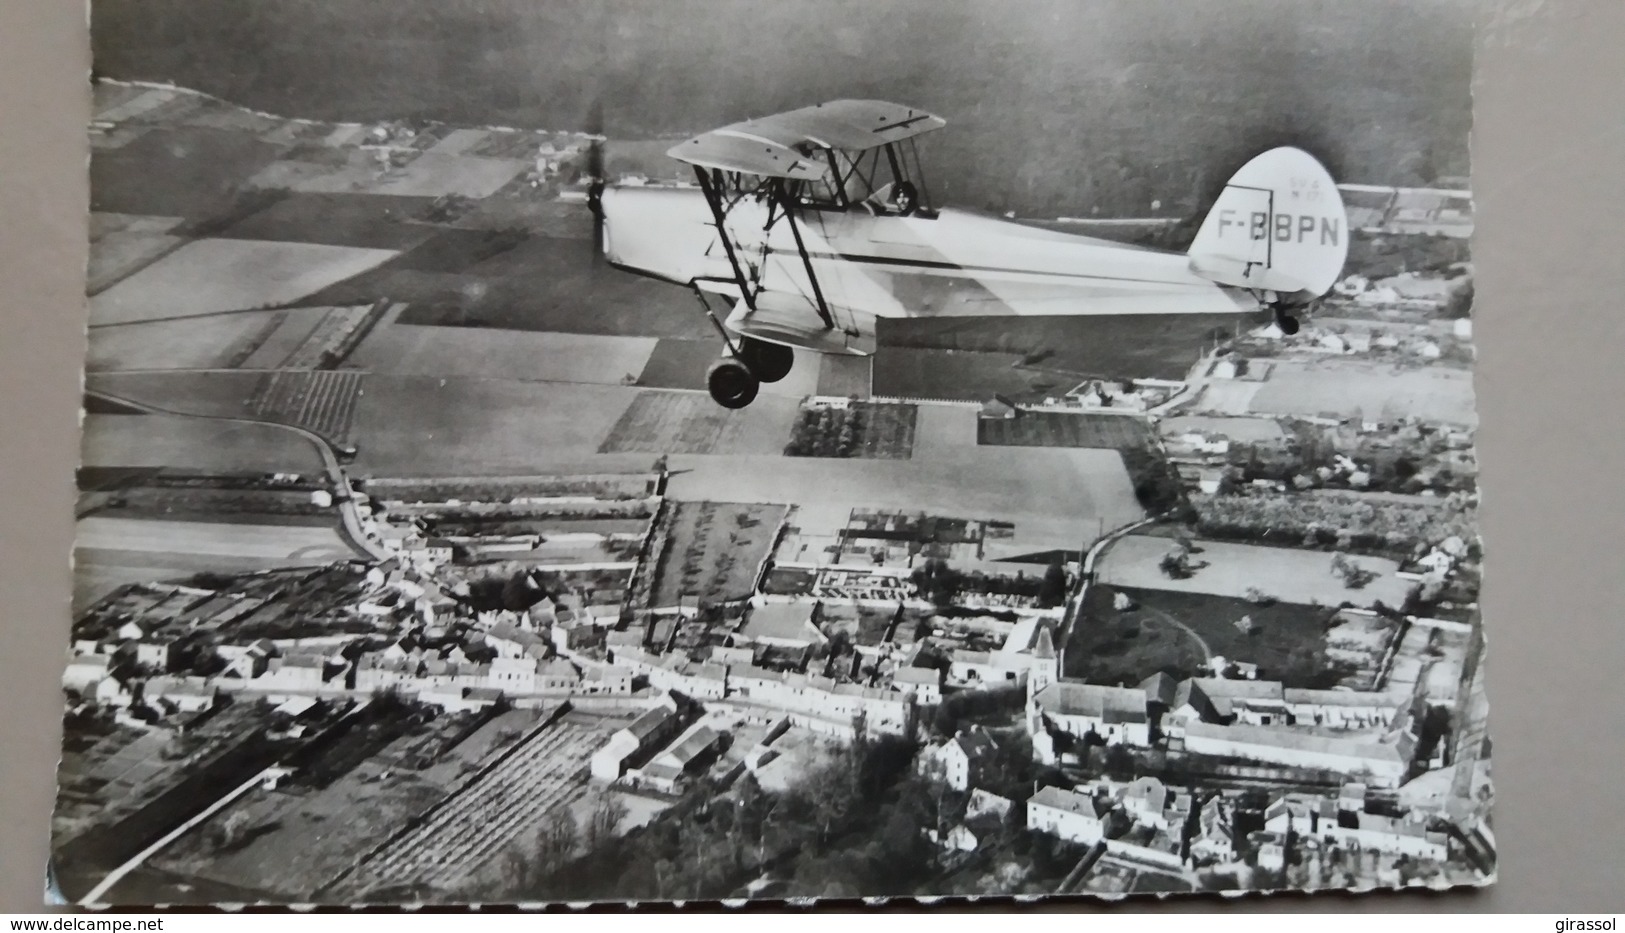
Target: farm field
{"x":183,"y":171}
{"x":844,"y":376}
{"x":511,"y":801}
{"x":543,"y":284}
{"x":194,"y":444}
{"x":1057,"y":499}
{"x":1289,"y":575}
{"x":281,"y":544}
{"x":220,"y":394}
{"x":714,"y":550}
{"x":911,"y":373}
{"x":336,"y":219}
{"x":121,"y":244}
{"x":940,"y":427}
{"x":1177,"y":631}
{"x":1374,"y":392}
{"x":283,"y":338}
{"x":452,"y":426}
{"x":214,"y":342}
{"x":99,"y":571}
{"x":690,"y":423}
{"x":408,"y":350}
{"x":213,"y":276}
{"x":1064,"y":429}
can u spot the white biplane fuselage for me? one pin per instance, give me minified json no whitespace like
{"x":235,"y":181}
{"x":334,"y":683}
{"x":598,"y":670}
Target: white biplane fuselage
{"x":810,"y":256}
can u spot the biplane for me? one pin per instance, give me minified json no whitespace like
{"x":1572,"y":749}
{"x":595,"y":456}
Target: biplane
{"x":805,"y":228}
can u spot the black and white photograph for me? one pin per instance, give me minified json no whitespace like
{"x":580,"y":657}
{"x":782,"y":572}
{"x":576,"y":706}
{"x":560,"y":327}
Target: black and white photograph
{"x":575,"y":451}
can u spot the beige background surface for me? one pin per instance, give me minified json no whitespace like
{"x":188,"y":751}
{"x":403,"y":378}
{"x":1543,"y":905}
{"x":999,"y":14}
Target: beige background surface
{"x":1549,"y":153}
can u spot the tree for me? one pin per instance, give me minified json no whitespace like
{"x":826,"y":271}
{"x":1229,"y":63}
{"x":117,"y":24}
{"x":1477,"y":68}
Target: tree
{"x":605,"y":819}
{"x":1052,"y":592}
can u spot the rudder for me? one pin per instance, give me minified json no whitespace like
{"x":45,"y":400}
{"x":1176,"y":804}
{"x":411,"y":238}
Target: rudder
{"x":1279,"y":226}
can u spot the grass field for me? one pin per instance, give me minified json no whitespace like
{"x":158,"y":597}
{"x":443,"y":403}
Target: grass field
{"x":1289,"y":575}
{"x":194,"y":444}
{"x":1176,"y":631}
{"x":1374,"y":392}
{"x":210,"y":276}
{"x":364,"y":221}
{"x":407,"y":350}
{"x":121,"y":244}
{"x":690,"y":423}
{"x":215,"y":394}
{"x":943,"y":427}
{"x":451,"y":426}
{"x":543,"y":284}
{"x":714,"y":550}
{"x":276,"y":545}
{"x":185,"y":172}
{"x":1064,"y":429}
{"x":844,"y":376}
{"x":193,"y":343}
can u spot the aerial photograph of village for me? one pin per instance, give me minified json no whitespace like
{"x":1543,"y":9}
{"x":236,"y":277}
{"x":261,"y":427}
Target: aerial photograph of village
{"x":417,"y":564}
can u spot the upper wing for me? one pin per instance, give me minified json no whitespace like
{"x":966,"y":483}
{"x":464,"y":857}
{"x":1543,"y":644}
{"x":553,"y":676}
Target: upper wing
{"x":772,"y":146}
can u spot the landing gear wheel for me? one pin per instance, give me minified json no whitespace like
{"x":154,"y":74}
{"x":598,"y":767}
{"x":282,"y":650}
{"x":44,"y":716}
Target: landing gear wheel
{"x":770,"y":362}
{"x":906,"y":199}
{"x":731,"y":383}
{"x":1286,"y":323}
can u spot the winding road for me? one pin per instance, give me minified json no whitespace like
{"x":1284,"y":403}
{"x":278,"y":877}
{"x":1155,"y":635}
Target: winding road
{"x":351,"y":518}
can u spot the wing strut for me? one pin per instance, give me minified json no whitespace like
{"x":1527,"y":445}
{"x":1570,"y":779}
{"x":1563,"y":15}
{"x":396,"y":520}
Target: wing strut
{"x":713,"y":197}
{"x":806,"y":260}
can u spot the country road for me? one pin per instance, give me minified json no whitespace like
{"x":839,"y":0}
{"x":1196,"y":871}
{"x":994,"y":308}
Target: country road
{"x":353,"y":530}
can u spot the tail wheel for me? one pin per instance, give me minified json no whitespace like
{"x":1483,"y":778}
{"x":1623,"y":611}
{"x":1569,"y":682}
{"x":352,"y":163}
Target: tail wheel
{"x":770,"y":362}
{"x":731,"y":383}
{"x":1285,"y":322}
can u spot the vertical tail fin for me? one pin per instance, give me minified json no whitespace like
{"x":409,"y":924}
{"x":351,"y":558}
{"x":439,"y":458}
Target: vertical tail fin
{"x":1278,"y":226}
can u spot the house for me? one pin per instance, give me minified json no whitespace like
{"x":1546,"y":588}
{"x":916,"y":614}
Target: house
{"x":158,"y":652}
{"x":962,"y":758}
{"x":1213,"y":838}
{"x":86,"y":671}
{"x":686,"y":753}
{"x":294,"y":672}
{"x":1271,"y":851}
{"x":114,"y":692}
{"x":182,"y":694}
{"x":1382,"y":759}
{"x":606,"y":681}
{"x":1112,"y":714}
{"x":1065,"y":814}
{"x":377,"y":672}
{"x":925,"y":683}
{"x":1326,"y":819}
{"x":732,"y":656}
{"x":524,"y":677}
{"x":983,"y":803}
{"x":510,"y":641}
{"x":454,"y":699}
{"x":655,"y":725}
